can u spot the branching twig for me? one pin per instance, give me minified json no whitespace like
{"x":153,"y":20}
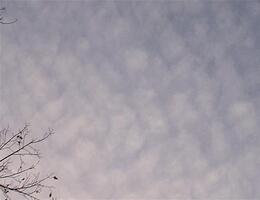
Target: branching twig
{"x":2,"y":18}
{"x":17,"y":175}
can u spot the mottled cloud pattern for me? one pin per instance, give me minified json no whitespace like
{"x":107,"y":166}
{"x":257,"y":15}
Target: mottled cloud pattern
{"x":148,"y":99}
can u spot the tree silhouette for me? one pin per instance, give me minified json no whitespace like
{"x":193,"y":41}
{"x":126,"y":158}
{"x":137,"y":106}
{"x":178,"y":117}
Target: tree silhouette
{"x":19,"y":160}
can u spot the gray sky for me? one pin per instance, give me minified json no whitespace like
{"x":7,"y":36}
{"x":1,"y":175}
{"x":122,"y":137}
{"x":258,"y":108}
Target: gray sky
{"x":148,"y":99}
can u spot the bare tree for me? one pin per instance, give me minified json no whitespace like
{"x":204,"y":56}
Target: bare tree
{"x":19,"y":160}
{"x":3,"y":20}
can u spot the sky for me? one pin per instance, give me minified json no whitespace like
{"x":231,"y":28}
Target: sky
{"x":148,"y":99}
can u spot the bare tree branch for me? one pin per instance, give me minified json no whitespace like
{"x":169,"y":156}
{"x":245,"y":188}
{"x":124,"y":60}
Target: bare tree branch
{"x":19,"y":159}
{"x":3,"y":19}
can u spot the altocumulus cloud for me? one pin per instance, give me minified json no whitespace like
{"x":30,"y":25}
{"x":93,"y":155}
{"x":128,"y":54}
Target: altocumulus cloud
{"x":149,"y":100}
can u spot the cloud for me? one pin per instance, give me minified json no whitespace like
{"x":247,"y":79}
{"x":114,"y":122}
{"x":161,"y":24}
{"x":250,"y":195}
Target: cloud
{"x":147,"y":99}
{"x":136,"y":60}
